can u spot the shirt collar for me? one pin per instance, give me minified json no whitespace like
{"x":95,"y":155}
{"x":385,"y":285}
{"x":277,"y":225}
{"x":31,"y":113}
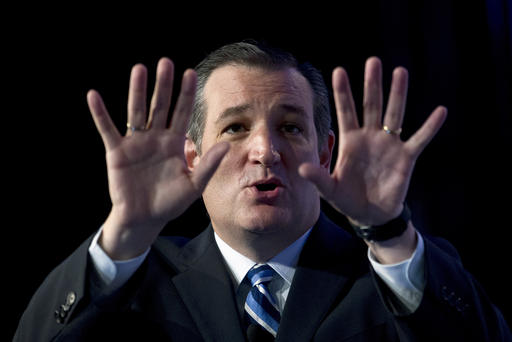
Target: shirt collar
{"x":283,"y":263}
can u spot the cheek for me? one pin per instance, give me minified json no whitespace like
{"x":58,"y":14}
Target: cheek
{"x":224,"y":181}
{"x":303,"y":191}
{"x":295,"y":156}
{"x":301,"y":186}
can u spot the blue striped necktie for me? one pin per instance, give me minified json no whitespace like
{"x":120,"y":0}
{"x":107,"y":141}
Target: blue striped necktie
{"x":260,"y":305}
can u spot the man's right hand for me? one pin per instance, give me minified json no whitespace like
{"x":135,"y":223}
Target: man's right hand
{"x":149,"y":181}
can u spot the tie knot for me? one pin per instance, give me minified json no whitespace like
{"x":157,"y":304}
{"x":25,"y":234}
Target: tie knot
{"x":260,"y":273}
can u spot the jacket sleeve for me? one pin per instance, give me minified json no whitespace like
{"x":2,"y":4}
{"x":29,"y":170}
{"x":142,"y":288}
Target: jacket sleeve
{"x":73,"y":301}
{"x":57,"y":300}
{"x":454,"y":306}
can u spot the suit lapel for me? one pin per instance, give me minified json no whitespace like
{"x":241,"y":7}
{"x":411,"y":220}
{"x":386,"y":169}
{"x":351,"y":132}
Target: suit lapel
{"x":206,"y":288}
{"x":327,"y":267}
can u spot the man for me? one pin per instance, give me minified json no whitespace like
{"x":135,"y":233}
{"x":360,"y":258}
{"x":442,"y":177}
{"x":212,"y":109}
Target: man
{"x":271,"y":265}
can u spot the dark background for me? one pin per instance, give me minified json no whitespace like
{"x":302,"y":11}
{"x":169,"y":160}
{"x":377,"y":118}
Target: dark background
{"x":457,"y":54}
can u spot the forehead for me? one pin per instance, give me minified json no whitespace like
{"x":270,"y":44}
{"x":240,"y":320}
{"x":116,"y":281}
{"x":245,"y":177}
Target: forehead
{"x":237,"y":85}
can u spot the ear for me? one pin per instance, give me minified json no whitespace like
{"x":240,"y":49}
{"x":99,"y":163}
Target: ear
{"x":191,"y":155}
{"x":326,"y":151}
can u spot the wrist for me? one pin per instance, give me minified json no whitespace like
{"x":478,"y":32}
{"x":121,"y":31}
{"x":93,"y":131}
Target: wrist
{"x":391,"y":229}
{"x":122,"y":240}
{"x":396,"y":249}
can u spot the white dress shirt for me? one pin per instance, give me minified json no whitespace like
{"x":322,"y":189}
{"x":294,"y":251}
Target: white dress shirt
{"x":283,"y":263}
{"x":113,"y":272}
{"x":406,"y":279}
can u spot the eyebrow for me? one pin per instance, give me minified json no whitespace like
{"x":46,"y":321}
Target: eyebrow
{"x":290,"y":108}
{"x":241,"y":109}
{"x":232,"y":111}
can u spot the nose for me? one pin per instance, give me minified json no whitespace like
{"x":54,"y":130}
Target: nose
{"x":263,"y":149}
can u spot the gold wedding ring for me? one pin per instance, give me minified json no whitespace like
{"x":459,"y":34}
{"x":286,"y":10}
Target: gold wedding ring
{"x":391,"y":131}
{"x":134,"y":128}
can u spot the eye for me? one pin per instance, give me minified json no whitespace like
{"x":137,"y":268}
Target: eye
{"x":234,"y":128}
{"x":291,"y":128}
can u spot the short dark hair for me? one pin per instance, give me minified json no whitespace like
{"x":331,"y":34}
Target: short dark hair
{"x":266,"y":57}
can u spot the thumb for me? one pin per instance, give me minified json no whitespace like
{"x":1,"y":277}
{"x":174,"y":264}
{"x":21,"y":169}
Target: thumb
{"x":319,"y":176}
{"x":208,"y":165}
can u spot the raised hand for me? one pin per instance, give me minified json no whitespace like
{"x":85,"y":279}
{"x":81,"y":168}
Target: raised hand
{"x":371,"y":177}
{"x":149,"y":182}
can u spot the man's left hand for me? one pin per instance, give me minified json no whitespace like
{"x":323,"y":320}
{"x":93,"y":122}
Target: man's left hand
{"x":372,"y":173}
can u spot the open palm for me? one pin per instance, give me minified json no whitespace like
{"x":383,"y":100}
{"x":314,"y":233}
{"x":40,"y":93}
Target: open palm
{"x":149,"y":182}
{"x":371,"y":177}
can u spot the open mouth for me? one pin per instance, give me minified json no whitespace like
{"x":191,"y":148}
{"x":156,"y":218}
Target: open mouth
{"x":266,"y":187}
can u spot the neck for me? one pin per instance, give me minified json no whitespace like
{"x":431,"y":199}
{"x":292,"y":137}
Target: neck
{"x":260,"y":246}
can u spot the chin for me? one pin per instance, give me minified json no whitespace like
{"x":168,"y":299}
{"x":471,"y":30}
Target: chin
{"x":265,"y":220}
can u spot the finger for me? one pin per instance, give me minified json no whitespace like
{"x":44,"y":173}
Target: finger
{"x":108,"y":131}
{"x":161,"y":100}
{"x":137,"y":97}
{"x":397,"y":99}
{"x":344,"y":101}
{"x":372,"y":99}
{"x":209,"y":163}
{"x":428,"y":130}
{"x":319,"y":176}
{"x":184,"y":104}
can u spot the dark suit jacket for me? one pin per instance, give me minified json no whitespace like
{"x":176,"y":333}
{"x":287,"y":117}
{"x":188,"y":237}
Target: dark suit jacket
{"x":184,"y":292}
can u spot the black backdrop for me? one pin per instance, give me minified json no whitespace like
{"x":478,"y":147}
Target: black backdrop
{"x":458,"y":55}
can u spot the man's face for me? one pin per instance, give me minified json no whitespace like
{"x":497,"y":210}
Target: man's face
{"x":267,"y":117}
